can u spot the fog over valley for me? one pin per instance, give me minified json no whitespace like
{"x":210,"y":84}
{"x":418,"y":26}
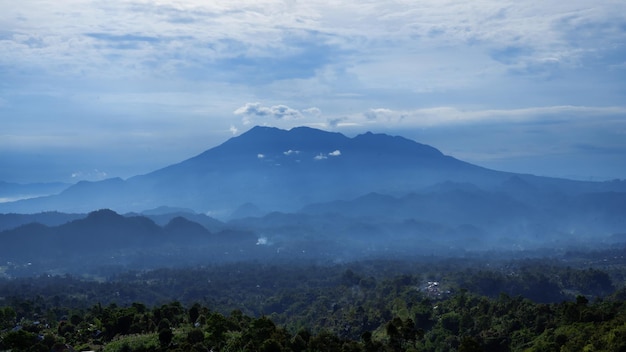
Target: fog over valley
{"x":308,"y":194}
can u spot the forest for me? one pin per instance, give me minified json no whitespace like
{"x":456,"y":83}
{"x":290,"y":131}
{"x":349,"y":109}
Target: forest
{"x":575,"y":302}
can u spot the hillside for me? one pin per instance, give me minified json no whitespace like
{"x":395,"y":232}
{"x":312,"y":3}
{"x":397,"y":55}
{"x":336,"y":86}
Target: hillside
{"x":279,"y":170}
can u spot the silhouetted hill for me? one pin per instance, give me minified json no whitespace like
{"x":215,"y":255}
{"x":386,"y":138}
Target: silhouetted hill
{"x":496,"y":219}
{"x":307,"y":194}
{"x":50,"y":218}
{"x":104,"y":238}
{"x":99,"y":231}
{"x":106,"y":228}
{"x":27,"y":243}
{"x":209,"y":223}
{"x":164,"y":210}
{"x":180,"y":227}
{"x":445,"y":204}
{"x":247,"y":210}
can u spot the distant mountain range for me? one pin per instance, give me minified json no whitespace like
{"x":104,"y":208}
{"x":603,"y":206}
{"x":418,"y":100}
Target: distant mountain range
{"x":269,"y":169}
{"x":104,"y":238}
{"x":306,"y":194}
{"x":16,"y":191}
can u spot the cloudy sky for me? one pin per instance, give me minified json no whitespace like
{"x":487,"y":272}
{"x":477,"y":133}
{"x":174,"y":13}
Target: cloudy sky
{"x":95,"y":89}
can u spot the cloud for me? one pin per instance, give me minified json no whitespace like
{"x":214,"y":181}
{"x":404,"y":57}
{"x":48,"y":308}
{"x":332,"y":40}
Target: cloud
{"x":335,"y":153}
{"x":124,"y":38}
{"x":380,"y":114}
{"x":291,"y":152}
{"x":315,"y":112}
{"x":336,"y":121}
{"x":441,"y":116}
{"x":322,"y":156}
{"x":434,"y":47}
{"x":251,"y":111}
{"x":176,"y":69}
{"x":92,"y":175}
{"x":600,"y":150}
{"x":297,"y":40}
{"x":276,"y":111}
{"x":260,"y":156}
{"x":508,"y":54}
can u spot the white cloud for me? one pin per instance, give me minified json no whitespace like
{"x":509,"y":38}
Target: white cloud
{"x":322,"y":156}
{"x":316,"y":112}
{"x":291,"y":152}
{"x":209,"y":32}
{"x":276,"y":111}
{"x":256,"y":113}
{"x":91,"y":175}
{"x":260,"y":156}
{"x":428,"y":46}
{"x":183,"y":67}
{"x":285,"y":112}
{"x":453,"y":116}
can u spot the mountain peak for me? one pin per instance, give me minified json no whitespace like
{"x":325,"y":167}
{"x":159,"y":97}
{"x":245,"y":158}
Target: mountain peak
{"x":278,"y":169}
{"x":104,"y":215}
{"x":304,"y":137}
{"x":266,"y":140}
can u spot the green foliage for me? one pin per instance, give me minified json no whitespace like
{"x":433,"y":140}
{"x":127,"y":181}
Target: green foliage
{"x":361,"y":307}
{"x":145,"y":342}
{"x":19,"y":340}
{"x":195,"y":336}
{"x":7,"y":317}
{"x":165,"y":337}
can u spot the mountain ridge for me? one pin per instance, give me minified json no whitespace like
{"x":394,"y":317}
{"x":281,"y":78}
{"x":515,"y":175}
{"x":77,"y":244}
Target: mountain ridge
{"x":283,"y":170}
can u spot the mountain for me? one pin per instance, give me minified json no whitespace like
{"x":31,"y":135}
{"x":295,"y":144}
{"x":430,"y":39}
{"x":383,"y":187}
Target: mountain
{"x":207,"y":222}
{"x":180,"y":226}
{"x":280,"y":170}
{"x":50,"y":218}
{"x":16,"y":191}
{"x":307,"y":194}
{"x":495,"y":215}
{"x":105,"y":238}
{"x":274,"y":169}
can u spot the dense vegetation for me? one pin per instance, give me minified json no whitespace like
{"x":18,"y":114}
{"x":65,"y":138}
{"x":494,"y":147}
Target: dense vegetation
{"x":421,"y":305}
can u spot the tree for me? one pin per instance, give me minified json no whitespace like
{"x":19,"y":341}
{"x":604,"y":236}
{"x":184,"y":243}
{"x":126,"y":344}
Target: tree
{"x":19,"y":340}
{"x":165,"y":337}
{"x":325,"y":341}
{"x":195,"y":336}
{"x":7,"y":318}
{"x":194,"y":313}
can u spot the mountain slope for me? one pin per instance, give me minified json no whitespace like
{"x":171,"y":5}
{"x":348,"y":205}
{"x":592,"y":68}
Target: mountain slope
{"x":279,"y":169}
{"x":104,"y":238}
{"x":52,"y":218}
{"x":14,"y":191}
{"x":275,"y":169}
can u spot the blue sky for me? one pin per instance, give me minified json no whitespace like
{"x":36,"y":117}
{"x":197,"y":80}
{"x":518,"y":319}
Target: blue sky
{"x":96,"y":89}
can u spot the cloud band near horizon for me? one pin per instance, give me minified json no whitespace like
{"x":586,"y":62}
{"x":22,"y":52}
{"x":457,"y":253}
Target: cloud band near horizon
{"x":164,"y":77}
